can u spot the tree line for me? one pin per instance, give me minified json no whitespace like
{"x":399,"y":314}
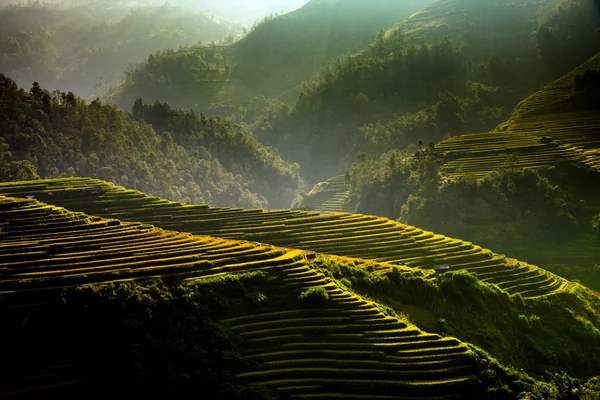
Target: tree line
{"x":54,"y":134}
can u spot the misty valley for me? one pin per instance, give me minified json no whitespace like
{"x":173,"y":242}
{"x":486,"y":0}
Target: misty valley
{"x":308,"y":199}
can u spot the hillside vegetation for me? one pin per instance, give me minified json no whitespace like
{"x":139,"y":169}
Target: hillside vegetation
{"x":529,"y":188}
{"x":338,"y":234}
{"x":565,"y":111}
{"x":272,"y":60}
{"x":184,"y":157}
{"x":86,"y":47}
{"x":457,"y":67}
{"x":248,"y":314}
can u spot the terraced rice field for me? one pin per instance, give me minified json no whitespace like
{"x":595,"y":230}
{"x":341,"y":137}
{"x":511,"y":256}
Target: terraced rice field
{"x":345,"y":349}
{"x":340,"y":234}
{"x":333,"y":195}
{"x":558,"y":110}
{"x":480,"y":154}
{"x":43,"y":247}
{"x":349,"y":350}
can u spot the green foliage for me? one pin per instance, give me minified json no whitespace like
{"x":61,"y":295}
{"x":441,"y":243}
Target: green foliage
{"x":569,"y":37}
{"x":186,"y":158}
{"x":316,"y":296}
{"x":596,"y":222}
{"x":167,"y":75}
{"x":558,"y":332}
{"x":238,"y":151}
{"x":507,"y":382}
{"x":153,"y":339}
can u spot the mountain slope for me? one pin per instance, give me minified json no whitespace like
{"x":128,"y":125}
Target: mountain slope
{"x":408,"y":86}
{"x":62,"y":249}
{"x":84,"y":48}
{"x":183,"y":157}
{"x":272,"y":60}
{"x":345,"y":337}
{"x":340,"y":234}
{"x":567,"y":109}
{"x":529,"y":188}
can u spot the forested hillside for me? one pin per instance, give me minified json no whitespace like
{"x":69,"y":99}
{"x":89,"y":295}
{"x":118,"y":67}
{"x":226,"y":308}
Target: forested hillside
{"x":272,"y":60}
{"x":457,"y":67}
{"x":185,"y":157}
{"x":531,"y":188}
{"x":86,"y":47}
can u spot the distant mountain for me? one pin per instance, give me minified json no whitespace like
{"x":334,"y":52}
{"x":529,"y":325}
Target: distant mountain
{"x":272,"y":60}
{"x":243,"y":11}
{"x":87,"y":47}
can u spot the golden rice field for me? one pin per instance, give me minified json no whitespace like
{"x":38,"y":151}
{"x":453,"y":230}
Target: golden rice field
{"x":333,"y":195}
{"x":339,"y":234}
{"x":480,"y":154}
{"x":570,"y":117}
{"x":346,"y":349}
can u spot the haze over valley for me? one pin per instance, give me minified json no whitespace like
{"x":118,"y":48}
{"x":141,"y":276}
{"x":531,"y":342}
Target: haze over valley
{"x":310,"y":199}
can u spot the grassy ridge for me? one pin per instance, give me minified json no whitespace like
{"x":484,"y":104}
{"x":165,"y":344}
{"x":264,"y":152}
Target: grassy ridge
{"x":536,"y":333}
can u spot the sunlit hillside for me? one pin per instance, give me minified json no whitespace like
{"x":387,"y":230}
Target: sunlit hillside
{"x":305,"y":199}
{"x":341,"y":234}
{"x":62,"y":250}
{"x":344,"y":237}
{"x":406,"y":86}
{"x":272,"y":60}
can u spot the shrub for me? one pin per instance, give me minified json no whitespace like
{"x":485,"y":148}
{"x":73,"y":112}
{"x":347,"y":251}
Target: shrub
{"x":314,"y":296}
{"x":596,"y":222}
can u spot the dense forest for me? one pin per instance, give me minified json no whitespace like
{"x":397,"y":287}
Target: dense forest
{"x":185,"y":157}
{"x":86,"y":47}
